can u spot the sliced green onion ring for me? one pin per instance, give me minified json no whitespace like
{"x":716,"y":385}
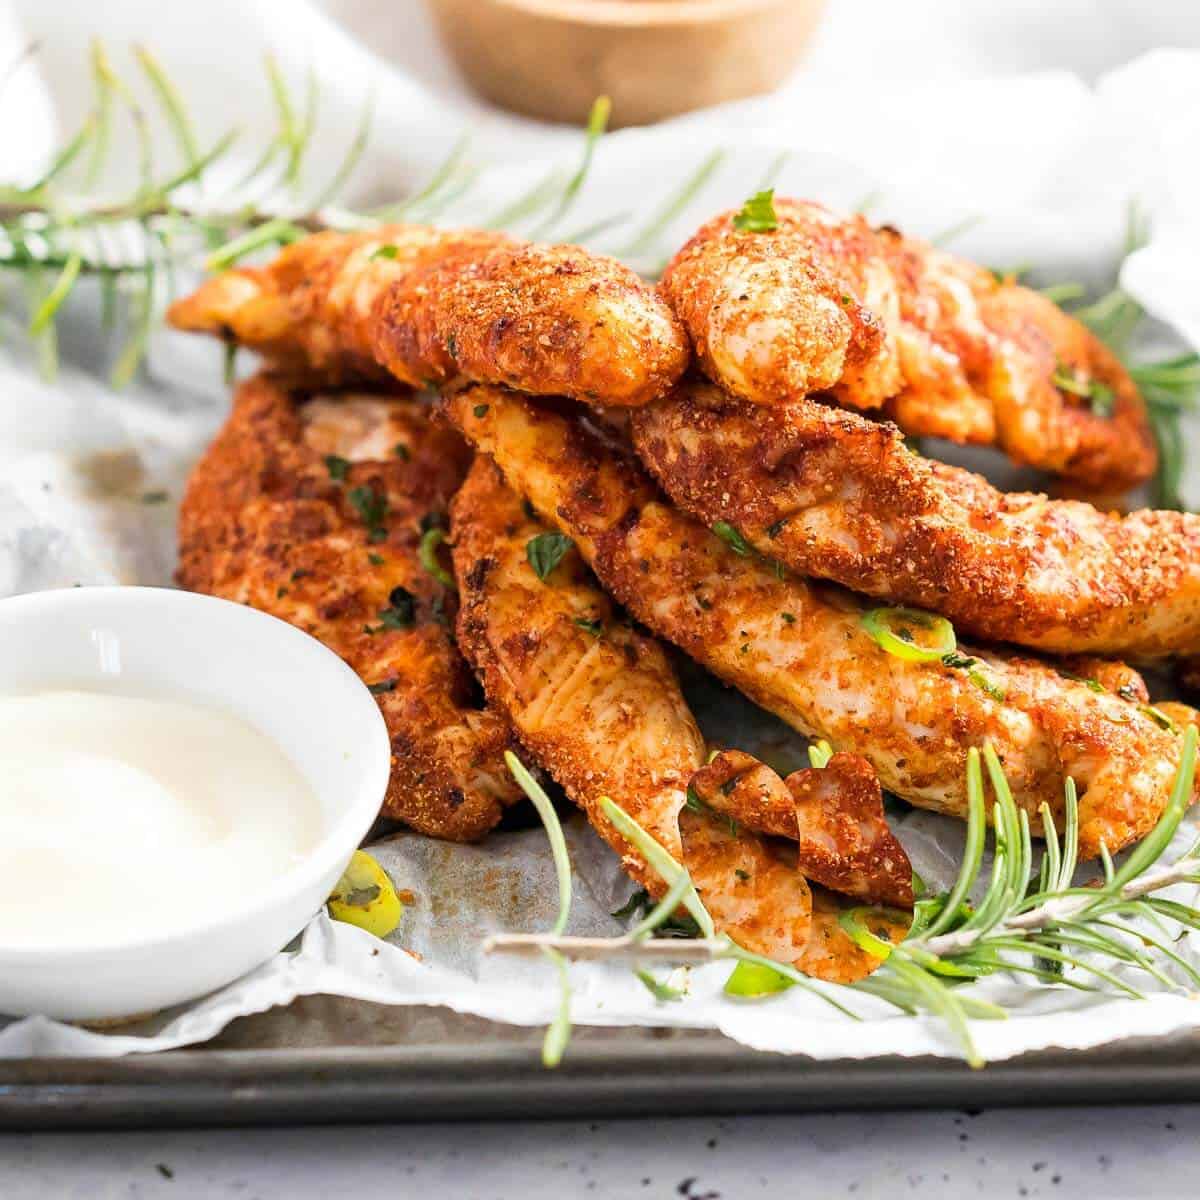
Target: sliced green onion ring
{"x":427,"y":552}
{"x":851,"y":922}
{"x":894,"y":630}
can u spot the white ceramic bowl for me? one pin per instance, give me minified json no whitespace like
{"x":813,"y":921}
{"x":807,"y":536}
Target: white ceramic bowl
{"x":160,"y":642}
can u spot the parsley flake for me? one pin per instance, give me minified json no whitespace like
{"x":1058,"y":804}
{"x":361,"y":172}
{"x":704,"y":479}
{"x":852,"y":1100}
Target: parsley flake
{"x":388,"y":251}
{"x":546,"y":551}
{"x":757,"y":215}
{"x":595,"y":628}
{"x":337,"y":466}
{"x":372,"y":507}
{"x":733,"y":538}
{"x":401,"y":609}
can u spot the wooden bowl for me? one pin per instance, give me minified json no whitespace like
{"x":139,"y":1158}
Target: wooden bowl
{"x":654,"y":58}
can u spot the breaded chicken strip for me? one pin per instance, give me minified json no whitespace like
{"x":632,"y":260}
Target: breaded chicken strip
{"x":802,"y":652}
{"x":834,"y":814}
{"x":836,"y":496}
{"x":598,"y":706}
{"x":825,"y":303}
{"x":311,"y":508}
{"x":429,"y":305}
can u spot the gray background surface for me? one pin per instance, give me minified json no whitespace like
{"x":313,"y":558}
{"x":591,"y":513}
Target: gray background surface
{"x":1099,"y":1153}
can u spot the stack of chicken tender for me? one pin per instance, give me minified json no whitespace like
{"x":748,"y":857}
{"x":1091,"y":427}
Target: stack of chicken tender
{"x":472,"y":460}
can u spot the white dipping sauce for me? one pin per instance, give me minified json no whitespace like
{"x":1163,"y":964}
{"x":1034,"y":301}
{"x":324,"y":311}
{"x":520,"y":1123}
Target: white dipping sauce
{"x":123,"y":817}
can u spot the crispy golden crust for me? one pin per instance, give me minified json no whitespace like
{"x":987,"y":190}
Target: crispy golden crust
{"x":825,"y":303}
{"x":598,"y":706}
{"x":431,"y":305}
{"x":311,"y":309}
{"x":834,"y":814}
{"x":836,"y":496}
{"x":264,"y":523}
{"x":801,"y":651}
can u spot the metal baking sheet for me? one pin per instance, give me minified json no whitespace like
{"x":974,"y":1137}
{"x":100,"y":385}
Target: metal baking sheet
{"x":413,"y":1064}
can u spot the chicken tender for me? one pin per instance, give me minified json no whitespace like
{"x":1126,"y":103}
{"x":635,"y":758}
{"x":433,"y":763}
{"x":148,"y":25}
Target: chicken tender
{"x":833,"y":813}
{"x":802,"y":652}
{"x":430,"y":305}
{"x":834,"y":495}
{"x":598,"y":706}
{"x":884,"y":321}
{"x":310,"y":508}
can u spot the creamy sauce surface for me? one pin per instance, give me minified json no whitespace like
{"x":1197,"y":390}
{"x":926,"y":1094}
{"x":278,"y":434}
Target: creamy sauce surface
{"x":124,"y":817}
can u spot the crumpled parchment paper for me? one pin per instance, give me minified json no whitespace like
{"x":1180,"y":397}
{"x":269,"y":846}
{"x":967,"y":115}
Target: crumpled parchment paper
{"x":90,"y":480}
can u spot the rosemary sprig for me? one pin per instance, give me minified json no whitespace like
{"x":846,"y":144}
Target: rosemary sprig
{"x":1052,"y":933}
{"x":1170,"y":387}
{"x":559,"y":1032}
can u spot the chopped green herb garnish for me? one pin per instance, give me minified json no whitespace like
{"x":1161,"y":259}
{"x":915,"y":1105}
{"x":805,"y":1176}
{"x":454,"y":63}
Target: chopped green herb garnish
{"x":757,"y":215}
{"x":788,"y":617}
{"x":1103,"y":401}
{"x":733,"y":538}
{"x":400,"y":450}
{"x":337,"y":466}
{"x":962,"y":662}
{"x":546,"y":551}
{"x":280,"y":592}
{"x":376,"y":560}
{"x":480,"y":410}
{"x":434,"y":519}
{"x":401,"y":609}
{"x":959,"y":661}
{"x":742,"y":875}
{"x":987,"y":686}
{"x":595,"y":628}
{"x":372,"y":507}
{"x":388,"y":251}
{"x":776,"y":527}
{"x":639,"y":902}
{"x":378,"y":689}
{"x":1160,"y":718}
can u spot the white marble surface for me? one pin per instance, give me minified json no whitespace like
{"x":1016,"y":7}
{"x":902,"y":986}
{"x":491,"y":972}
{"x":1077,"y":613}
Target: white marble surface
{"x":1103,"y":1154}
{"x":1098,"y":1153}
